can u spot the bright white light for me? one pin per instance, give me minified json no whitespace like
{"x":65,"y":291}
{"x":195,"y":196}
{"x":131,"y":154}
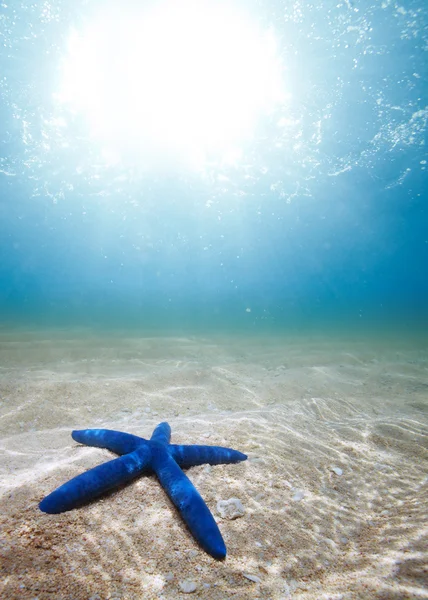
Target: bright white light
{"x":186,"y":79}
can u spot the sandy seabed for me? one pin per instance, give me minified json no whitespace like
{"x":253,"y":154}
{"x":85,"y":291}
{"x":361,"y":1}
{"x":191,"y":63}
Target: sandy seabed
{"x":335,"y":488}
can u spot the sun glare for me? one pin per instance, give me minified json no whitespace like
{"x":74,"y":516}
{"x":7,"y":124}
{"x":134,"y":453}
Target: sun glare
{"x":189,"y":79}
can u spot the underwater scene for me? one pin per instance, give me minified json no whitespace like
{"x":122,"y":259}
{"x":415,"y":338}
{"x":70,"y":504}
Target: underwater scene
{"x":213,"y":299}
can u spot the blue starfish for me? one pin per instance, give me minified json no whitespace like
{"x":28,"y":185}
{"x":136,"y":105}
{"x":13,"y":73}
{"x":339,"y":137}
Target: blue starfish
{"x":138,"y":455}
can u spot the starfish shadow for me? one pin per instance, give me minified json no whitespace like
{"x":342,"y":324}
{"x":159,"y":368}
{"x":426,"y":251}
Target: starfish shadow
{"x":138,"y":456}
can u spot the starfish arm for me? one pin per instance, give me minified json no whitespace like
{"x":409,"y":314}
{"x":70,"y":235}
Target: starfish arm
{"x":190,"y":456}
{"x":116,"y":441}
{"x":189,"y":502}
{"x":161,"y":434}
{"x":96,"y":481}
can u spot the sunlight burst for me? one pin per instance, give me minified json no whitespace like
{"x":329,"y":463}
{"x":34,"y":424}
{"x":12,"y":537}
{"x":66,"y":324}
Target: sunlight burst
{"x":187,"y":79}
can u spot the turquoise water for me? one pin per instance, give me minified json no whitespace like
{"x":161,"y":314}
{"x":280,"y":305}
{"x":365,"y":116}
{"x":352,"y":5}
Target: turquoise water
{"x":321,"y":223}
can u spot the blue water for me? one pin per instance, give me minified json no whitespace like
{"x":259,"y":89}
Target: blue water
{"x":322,"y":224}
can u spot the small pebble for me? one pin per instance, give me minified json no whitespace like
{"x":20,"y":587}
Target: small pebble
{"x":337,"y":470}
{"x":253,"y":578}
{"x":230,"y":509}
{"x":187,"y":586}
{"x":298,"y":495}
